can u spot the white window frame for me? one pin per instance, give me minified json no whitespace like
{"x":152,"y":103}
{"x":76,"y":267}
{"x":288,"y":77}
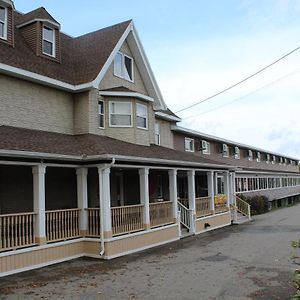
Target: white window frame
{"x":122,"y":75}
{"x":53,"y":42}
{"x":101,"y":114}
{"x":268,"y":158}
{"x":123,"y":126}
{"x":191,"y":142}
{"x":258,"y":159}
{"x":273,"y":159}
{"x":250,"y":155}
{"x":157,"y":133}
{"x":136,"y":107}
{"x":205,"y":146}
{"x":225,"y":150}
{"x":4,"y":37}
{"x":236,"y":152}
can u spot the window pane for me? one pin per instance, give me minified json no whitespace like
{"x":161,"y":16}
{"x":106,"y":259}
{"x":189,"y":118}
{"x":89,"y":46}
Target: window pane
{"x":121,"y":108}
{"x":122,"y":120}
{"x":101,"y":121}
{"x":118,"y":64}
{"x":128,"y":67}
{"x":100,"y":107}
{"x":141,"y":122}
{"x":1,"y":30}
{"x":47,"y":48}
{"x":141,"y":110}
{"x":2,"y":14}
{"x":48,"y":34}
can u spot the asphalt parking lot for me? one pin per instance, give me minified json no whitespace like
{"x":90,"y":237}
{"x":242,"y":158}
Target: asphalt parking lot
{"x":250,"y":261}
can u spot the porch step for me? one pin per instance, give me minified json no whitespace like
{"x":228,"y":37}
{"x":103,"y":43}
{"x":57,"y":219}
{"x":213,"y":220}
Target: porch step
{"x":185,"y":233}
{"x":241,"y":219}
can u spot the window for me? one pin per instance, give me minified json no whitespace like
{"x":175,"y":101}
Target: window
{"x":225,"y":150}
{"x":101,"y":113}
{"x":157,"y":133}
{"x":236,"y":152}
{"x":258,"y":157}
{"x":281,"y":161}
{"x":250,"y":155}
{"x":48,"y":41}
{"x":285,"y":161}
{"x":123,"y":66}
{"x":273,"y":159}
{"x":268,"y":158}
{"x":120,"y":114}
{"x":141,"y":116}
{"x":205,"y":146}
{"x":189,"y":145}
{"x":3,"y":22}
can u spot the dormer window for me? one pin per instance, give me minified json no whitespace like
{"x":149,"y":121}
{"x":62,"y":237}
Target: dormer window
{"x":189,"y":145}
{"x":273,"y":159}
{"x":268,"y":158}
{"x":123,"y":66}
{"x":48,"y":41}
{"x":3,"y":23}
{"x":225,"y":150}
{"x":258,"y":157}
{"x":250,"y":155}
{"x":236,"y":152}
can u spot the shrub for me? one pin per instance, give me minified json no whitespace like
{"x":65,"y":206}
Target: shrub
{"x":259,"y":204}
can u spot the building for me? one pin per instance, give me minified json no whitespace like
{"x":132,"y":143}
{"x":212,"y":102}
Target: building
{"x":92,"y":162}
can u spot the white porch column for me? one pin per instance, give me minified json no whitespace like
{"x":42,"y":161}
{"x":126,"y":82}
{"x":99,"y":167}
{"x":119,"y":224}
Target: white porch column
{"x":211,"y":190}
{"x":173,"y":191}
{"x":192,"y":196}
{"x":82,"y":199}
{"x":144,"y":194}
{"x":39,"y":203}
{"x":226,"y":188}
{"x":104,"y":195}
{"x":233,"y":192}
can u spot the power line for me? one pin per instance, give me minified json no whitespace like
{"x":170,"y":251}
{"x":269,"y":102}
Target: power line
{"x":239,"y":82}
{"x":244,"y":96}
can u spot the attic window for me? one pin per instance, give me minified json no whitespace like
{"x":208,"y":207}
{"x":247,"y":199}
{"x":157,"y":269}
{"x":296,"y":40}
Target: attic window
{"x":123,"y":66}
{"x":48,"y":41}
{"x":3,"y":23}
{"x":236,"y":152}
{"x":205,"y":146}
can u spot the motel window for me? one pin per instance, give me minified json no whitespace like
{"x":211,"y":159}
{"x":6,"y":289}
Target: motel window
{"x":48,"y":41}
{"x":205,"y":146}
{"x":236,"y":152}
{"x":225,"y":150}
{"x":141,"y":116}
{"x":250,"y":155}
{"x":101,"y":113}
{"x":157,"y":133}
{"x":3,"y":22}
{"x":123,"y":66}
{"x":189,"y":145}
{"x":120,"y":114}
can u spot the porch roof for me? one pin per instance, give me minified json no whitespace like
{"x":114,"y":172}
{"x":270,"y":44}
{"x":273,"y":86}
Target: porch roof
{"x":88,"y":146}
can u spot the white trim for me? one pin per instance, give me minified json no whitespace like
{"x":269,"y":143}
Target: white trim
{"x":141,"y":248}
{"x":218,"y":139}
{"x":123,"y":67}
{"x":191,"y":142}
{"x":126,"y":94}
{"x":109,"y":114}
{"x":165,"y":116}
{"x":52,"y":42}
{"x":38,"y":20}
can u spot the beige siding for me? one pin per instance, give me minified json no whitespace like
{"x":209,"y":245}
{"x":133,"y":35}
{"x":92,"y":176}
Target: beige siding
{"x":34,"y":106}
{"x":214,"y":221}
{"x":81,"y":113}
{"x":166,"y":135}
{"x":110,"y":80}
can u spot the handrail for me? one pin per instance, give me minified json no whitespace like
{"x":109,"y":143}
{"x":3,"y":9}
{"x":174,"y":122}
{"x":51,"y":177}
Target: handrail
{"x":185,"y":215}
{"x":243,"y":207}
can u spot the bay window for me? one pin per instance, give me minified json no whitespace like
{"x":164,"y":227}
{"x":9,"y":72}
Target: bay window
{"x":141,"y":116}
{"x":120,"y":114}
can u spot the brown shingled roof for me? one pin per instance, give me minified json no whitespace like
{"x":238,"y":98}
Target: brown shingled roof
{"x":39,"y":13}
{"x":82,"y":58}
{"x":19,"y":139}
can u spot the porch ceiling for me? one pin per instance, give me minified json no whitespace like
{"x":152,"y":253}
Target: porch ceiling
{"x":85,"y":147}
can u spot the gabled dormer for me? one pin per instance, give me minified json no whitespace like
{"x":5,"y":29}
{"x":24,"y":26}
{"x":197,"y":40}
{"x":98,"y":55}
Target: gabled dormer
{"x":42,"y":33}
{"x":6,"y":22}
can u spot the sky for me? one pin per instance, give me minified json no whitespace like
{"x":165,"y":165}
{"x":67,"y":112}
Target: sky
{"x":197,"y":48}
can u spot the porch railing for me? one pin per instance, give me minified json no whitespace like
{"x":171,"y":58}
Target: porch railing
{"x":62,"y":224}
{"x":203,"y":207}
{"x":17,"y":230}
{"x":127,"y":219}
{"x":184,"y":201}
{"x":93,"y":222}
{"x":243,"y":207}
{"x":186,"y":215}
{"x":161,"y":213}
{"x":221,"y":203}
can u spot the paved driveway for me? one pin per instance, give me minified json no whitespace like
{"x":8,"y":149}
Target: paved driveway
{"x":250,"y":261}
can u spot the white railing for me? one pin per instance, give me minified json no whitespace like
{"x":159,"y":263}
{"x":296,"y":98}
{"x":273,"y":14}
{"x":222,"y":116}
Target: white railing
{"x":126,"y":219}
{"x":93,"y":222}
{"x":186,"y":215}
{"x":161,"y":213}
{"x":17,"y":230}
{"x":203,"y":207}
{"x":243,"y":207}
{"x":62,"y":224}
{"x":221,"y":203}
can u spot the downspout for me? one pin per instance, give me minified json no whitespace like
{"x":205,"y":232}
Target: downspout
{"x":102,"y":249}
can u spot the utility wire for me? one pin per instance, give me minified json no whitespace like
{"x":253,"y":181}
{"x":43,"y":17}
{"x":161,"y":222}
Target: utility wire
{"x":239,"y":82}
{"x":244,"y":96}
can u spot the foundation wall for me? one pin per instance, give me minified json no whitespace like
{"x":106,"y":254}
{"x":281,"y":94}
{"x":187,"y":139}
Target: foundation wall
{"x":215,"y":221}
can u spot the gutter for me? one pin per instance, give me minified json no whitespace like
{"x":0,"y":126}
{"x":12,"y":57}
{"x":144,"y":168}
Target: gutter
{"x":102,"y":245}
